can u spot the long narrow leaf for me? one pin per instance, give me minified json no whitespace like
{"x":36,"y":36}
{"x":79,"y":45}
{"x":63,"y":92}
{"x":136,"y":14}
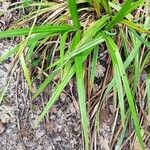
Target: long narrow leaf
{"x":26,"y":72}
{"x":74,"y":13}
{"x":94,"y":64}
{"x":51,"y":29}
{"x":120,"y":15}
{"x":81,"y":93}
{"x":120,"y":93}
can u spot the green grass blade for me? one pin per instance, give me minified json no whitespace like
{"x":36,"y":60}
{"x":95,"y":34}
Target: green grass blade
{"x":81,"y":93}
{"x":120,"y":15}
{"x":118,"y":7}
{"x":120,"y":93}
{"x":85,"y":47}
{"x":74,"y":13}
{"x":82,"y":99}
{"x":135,"y":5}
{"x":94,"y":65}
{"x":93,"y":30}
{"x":51,"y":29}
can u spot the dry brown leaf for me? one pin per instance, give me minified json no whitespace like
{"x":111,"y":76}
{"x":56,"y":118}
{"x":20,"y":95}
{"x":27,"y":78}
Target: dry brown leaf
{"x":136,"y":146}
{"x":104,"y":143}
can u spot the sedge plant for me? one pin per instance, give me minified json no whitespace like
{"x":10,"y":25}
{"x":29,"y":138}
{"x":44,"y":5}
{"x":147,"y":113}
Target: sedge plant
{"x":80,"y":38}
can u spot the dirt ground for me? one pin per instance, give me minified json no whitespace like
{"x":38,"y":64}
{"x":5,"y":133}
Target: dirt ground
{"x":18,"y":115}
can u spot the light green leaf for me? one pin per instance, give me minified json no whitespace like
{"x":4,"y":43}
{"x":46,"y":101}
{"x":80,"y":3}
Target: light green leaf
{"x":26,"y":72}
{"x":51,"y":29}
{"x":81,"y":93}
{"x":74,"y":13}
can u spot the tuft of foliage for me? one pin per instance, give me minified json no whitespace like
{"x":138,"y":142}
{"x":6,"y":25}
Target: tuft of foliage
{"x":122,"y":28}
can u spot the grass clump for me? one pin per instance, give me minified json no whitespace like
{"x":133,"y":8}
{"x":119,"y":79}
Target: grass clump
{"x":122,"y":28}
